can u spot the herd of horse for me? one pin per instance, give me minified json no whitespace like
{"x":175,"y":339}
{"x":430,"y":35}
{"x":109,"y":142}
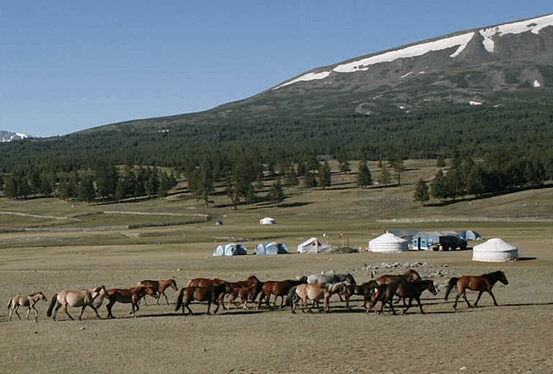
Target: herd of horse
{"x":294,"y":293}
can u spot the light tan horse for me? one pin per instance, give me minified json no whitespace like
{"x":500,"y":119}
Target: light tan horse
{"x":26,"y":301}
{"x":159,"y":286}
{"x":316,"y":292}
{"x":129,"y":296}
{"x":77,"y":299}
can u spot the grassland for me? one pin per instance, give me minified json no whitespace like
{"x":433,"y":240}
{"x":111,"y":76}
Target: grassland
{"x":48,"y":245}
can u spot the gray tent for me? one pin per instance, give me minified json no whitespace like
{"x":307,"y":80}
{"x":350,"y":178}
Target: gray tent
{"x":230,"y":249}
{"x":270,"y":248}
{"x":470,"y":235}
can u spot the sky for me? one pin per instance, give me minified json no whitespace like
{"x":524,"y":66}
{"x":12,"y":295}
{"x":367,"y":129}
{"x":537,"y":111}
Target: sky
{"x":67,"y":66}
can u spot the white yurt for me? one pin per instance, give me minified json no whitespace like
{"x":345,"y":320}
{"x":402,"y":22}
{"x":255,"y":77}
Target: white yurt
{"x":267,"y":221}
{"x":388,"y":242}
{"x":494,"y":250}
{"x":313,"y":245}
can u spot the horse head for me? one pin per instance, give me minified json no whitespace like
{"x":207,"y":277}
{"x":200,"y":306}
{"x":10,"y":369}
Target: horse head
{"x":431,"y":287}
{"x":173,"y":284}
{"x":503,"y":278}
{"x":41,"y":296}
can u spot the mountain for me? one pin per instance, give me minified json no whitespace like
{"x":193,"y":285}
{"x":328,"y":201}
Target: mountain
{"x":8,"y":136}
{"x":495,"y":65}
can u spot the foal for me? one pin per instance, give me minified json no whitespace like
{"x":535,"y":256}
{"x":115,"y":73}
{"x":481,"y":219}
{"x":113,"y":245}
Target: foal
{"x":26,"y":301}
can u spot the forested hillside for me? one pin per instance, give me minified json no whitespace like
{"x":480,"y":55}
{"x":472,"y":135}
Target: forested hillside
{"x":146,"y":158}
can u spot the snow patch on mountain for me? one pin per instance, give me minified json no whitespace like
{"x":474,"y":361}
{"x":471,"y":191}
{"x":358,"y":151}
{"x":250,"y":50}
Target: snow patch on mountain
{"x":7,"y":136}
{"x":533,"y":25}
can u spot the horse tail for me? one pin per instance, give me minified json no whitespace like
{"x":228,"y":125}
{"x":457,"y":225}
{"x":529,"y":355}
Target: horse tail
{"x":179,"y":299}
{"x":52,"y":304}
{"x":452,"y":283}
{"x":10,"y":303}
{"x":289,"y":299}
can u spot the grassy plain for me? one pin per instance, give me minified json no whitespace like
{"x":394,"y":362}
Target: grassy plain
{"x":48,"y":245}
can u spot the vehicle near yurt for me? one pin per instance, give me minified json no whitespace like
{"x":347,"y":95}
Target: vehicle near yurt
{"x":438,"y":240}
{"x":495,"y":250}
{"x":313,"y":245}
{"x":267,"y":221}
{"x":270,"y":248}
{"x":388,"y":242}
{"x":230,"y":249}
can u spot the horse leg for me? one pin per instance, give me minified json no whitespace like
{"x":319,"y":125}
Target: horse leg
{"x":28,"y":311}
{"x":209,"y":307}
{"x":420,"y":305}
{"x":166,"y":299}
{"x":493,"y":297}
{"x":108,"y":307}
{"x":217,"y":307}
{"x":478,"y":298}
{"x":36,"y":315}
{"x":15,"y":309}
{"x":69,"y":315}
{"x":407,"y":306}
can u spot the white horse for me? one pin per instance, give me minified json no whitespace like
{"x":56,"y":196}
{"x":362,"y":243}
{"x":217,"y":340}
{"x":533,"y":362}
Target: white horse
{"x":27,"y":301}
{"x":77,"y":299}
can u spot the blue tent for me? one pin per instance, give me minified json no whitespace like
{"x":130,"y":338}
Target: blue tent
{"x":272,"y":248}
{"x":230,"y":249}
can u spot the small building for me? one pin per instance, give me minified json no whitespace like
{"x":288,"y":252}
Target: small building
{"x":388,"y":242}
{"x":434,"y":240}
{"x":495,"y":250}
{"x":270,"y":248}
{"x":230,"y":249}
{"x":313,"y":245}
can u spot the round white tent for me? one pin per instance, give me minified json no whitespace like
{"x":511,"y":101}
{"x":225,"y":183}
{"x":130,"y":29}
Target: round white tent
{"x":495,"y":250}
{"x":388,"y":242}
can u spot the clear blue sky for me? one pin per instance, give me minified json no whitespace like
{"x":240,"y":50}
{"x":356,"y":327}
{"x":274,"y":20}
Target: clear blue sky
{"x":72,"y":65}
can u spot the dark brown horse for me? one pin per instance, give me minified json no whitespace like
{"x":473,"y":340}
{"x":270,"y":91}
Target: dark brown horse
{"x":128,"y":296}
{"x":160,"y":286}
{"x":411,"y":290}
{"x":211,"y":294}
{"x":480,"y":283}
{"x":278,"y":288}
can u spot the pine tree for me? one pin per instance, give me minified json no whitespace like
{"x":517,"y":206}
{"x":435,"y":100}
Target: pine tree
{"x":385,"y":176}
{"x":325,"y":175}
{"x":364,"y":177}
{"x":276,"y":193}
{"x":421,"y":192}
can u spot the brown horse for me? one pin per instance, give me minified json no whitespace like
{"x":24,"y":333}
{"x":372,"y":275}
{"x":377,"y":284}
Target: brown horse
{"x":411,"y":290}
{"x":160,"y":286}
{"x":480,"y":283}
{"x":366,"y":290}
{"x":211,"y":294}
{"x":409,"y":276}
{"x":251,"y":283}
{"x":26,"y":301}
{"x":77,"y":299}
{"x":128,"y":296}
{"x":278,"y":288}
{"x":245,"y":294}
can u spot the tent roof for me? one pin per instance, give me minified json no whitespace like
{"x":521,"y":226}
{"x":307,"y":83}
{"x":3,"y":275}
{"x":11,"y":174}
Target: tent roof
{"x":494,"y":245}
{"x":388,"y":237}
